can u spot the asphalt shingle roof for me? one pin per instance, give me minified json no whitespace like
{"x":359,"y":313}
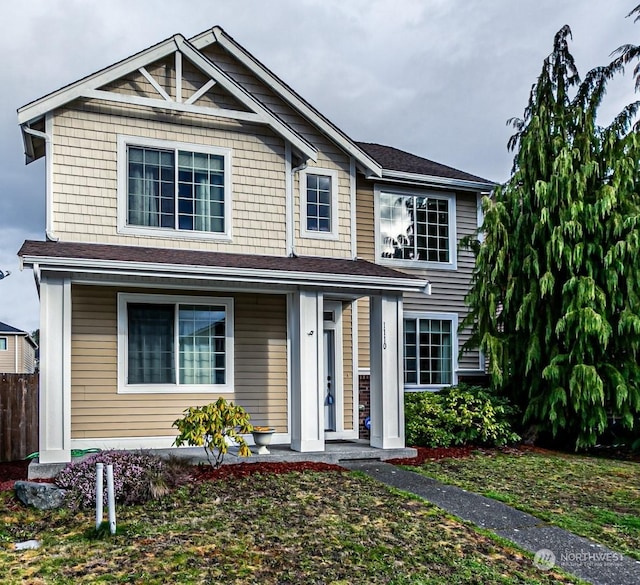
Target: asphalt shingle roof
{"x":4,"y":328}
{"x":394,"y":159}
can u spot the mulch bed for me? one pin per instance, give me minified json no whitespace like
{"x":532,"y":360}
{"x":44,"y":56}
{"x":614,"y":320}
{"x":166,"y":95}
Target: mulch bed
{"x":206,"y":473}
{"x":10,"y":471}
{"x":435,"y":453}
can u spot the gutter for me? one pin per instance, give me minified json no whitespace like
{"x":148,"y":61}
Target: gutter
{"x":415,"y":178}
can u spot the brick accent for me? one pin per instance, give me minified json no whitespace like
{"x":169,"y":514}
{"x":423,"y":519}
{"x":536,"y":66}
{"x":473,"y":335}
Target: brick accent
{"x":364,"y":393}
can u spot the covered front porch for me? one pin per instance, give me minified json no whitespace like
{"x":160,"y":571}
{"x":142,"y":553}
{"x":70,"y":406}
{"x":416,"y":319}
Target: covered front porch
{"x":289,"y":314}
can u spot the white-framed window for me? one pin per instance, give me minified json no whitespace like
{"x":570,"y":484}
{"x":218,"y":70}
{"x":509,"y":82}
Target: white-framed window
{"x":173,"y":189}
{"x":430,"y":350}
{"x":4,"y":344}
{"x":415,"y":227}
{"x":319,"y":203}
{"x":174,"y":343}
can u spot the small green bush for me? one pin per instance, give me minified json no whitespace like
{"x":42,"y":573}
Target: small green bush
{"x":213,"y":426}
{"x":458,"y":415}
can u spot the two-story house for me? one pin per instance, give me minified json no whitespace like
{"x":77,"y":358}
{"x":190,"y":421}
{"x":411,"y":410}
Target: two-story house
{"x":209,"y":233}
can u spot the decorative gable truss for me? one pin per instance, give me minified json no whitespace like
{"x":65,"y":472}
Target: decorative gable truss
{"x":181,"y":64}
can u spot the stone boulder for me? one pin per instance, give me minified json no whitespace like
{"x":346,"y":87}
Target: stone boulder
{"x":44,"y":496}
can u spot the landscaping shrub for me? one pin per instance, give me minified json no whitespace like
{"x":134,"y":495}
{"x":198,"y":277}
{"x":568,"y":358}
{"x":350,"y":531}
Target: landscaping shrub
{"x":214,"y":426}
{"x":458,"y":415}
{"x":137,"y":477}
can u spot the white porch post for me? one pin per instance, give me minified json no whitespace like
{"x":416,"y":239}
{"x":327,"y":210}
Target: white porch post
{"x":307,"y":349}
{"x":387,"y":367}
{"x":55,"y":369}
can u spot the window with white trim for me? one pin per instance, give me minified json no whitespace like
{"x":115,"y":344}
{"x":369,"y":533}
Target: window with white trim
{"x":416,"y":227}
{"x":430,"y":350}
{"x":172,"y":187}
{"x":4,"y":344}
{"x":173,"y":343}
{"x":319,"y":203}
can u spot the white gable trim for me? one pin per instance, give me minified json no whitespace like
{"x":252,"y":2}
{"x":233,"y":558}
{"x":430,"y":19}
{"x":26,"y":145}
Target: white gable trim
{"x":263,"y":74}
{"x":88,"y":88}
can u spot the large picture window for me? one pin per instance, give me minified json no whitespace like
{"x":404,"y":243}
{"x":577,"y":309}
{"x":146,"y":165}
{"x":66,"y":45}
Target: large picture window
{"x":173,"y":344}
{"x":429,"y":350}
{"x":416,"y":228}
{"x":176,"y":187}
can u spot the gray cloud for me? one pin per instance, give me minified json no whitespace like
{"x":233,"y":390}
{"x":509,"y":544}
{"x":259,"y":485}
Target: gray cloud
{"x":436,"y":77}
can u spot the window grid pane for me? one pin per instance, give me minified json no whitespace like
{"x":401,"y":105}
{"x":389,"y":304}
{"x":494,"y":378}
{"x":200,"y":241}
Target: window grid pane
{"x":202,"y":340}
{"x":428,"y":352}
{"x":200,"y":192}
{"x":151,"y":188}
{"x":414,"y":228}
{"x":318,"y":203}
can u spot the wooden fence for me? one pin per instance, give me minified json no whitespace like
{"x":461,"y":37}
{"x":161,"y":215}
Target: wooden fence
{"x":18,"y":416}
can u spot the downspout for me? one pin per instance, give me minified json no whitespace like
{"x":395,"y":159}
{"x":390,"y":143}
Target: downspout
{"x":47,"y":136}
{"x":289,"y":175}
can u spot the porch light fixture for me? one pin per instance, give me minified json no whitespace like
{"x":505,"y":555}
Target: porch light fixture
{"x":4,"y":274}
{"x":426,"y":289}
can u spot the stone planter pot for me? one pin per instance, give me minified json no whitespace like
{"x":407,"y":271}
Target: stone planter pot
{"x":262,"y":438}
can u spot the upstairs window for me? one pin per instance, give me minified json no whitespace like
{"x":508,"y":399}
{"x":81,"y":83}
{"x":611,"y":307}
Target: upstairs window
{"x":319,"y":204}
{"x":177,"y":188}
{"x":417,"y":228}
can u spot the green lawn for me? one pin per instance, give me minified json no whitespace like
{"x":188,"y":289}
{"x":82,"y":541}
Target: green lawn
{"x":594,"y":497}
{"x":299,"y":528}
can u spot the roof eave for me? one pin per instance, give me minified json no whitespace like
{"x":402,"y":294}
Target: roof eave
{"x":223,"y":273}
{"x":432,"y":180}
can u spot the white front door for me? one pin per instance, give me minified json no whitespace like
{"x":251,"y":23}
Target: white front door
{"x":332,"y":379}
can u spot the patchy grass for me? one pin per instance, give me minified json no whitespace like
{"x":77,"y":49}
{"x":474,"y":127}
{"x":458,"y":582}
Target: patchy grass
{"x":593,"y":497}
{"x":330,"y":528}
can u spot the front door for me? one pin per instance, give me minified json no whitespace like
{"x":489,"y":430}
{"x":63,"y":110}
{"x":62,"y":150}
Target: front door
{"x":333,"y":391}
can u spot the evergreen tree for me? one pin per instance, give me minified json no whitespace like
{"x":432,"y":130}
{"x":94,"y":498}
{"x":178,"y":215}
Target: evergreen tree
{"x":555,"y":296}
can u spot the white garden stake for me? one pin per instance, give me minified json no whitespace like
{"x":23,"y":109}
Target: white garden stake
{"x":112,"y":500}
{"x":99,"y":494}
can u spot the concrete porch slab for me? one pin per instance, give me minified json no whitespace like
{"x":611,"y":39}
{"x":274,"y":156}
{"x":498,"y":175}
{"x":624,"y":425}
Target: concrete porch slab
{"x":335,"y":452}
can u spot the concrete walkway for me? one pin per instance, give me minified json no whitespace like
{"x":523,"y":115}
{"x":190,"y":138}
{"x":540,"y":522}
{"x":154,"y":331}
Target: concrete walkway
{"x":553,"y":546}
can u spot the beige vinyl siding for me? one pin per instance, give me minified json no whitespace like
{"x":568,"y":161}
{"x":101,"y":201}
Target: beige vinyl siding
{"x":347,"y":366}
{"x":97,"y":410}
{"x":27,"y":357}
{"x":449,"y":287}
{"x":329,"y":156}
{"x":85,"y":179}
{"x":85,"y":164}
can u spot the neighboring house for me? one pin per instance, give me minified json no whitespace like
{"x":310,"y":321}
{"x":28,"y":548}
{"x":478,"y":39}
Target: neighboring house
{"x":17,"y":351}
{"x":210,"y":233}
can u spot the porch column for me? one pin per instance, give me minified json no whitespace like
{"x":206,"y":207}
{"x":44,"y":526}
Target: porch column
{"x":387,"y":367}
{"x":307,"y":349}
{"x":55,"y":369}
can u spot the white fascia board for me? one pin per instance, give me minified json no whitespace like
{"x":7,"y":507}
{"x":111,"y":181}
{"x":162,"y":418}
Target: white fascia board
{"x":417,"y":179}
{"x":261,"y":72}
{"x":75,"y":90}
{"x":223,"y":273}
{"x":244,"y":97}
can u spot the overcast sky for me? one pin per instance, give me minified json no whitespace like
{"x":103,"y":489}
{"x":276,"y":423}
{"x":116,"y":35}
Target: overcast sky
{"x":438,"y":78}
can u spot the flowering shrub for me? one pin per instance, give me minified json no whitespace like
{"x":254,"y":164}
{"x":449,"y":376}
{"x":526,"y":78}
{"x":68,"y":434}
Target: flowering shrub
{"x":137,"y":477}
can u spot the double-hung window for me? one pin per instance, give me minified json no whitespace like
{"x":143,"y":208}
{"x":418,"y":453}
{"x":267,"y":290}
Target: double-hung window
{"x":416,"y":227}
{"x":319,"y":203}
{"x":175,"y":344}
{"x":430,"y":350}
{"x":4,"y":344}
{"x":173,"y":188}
